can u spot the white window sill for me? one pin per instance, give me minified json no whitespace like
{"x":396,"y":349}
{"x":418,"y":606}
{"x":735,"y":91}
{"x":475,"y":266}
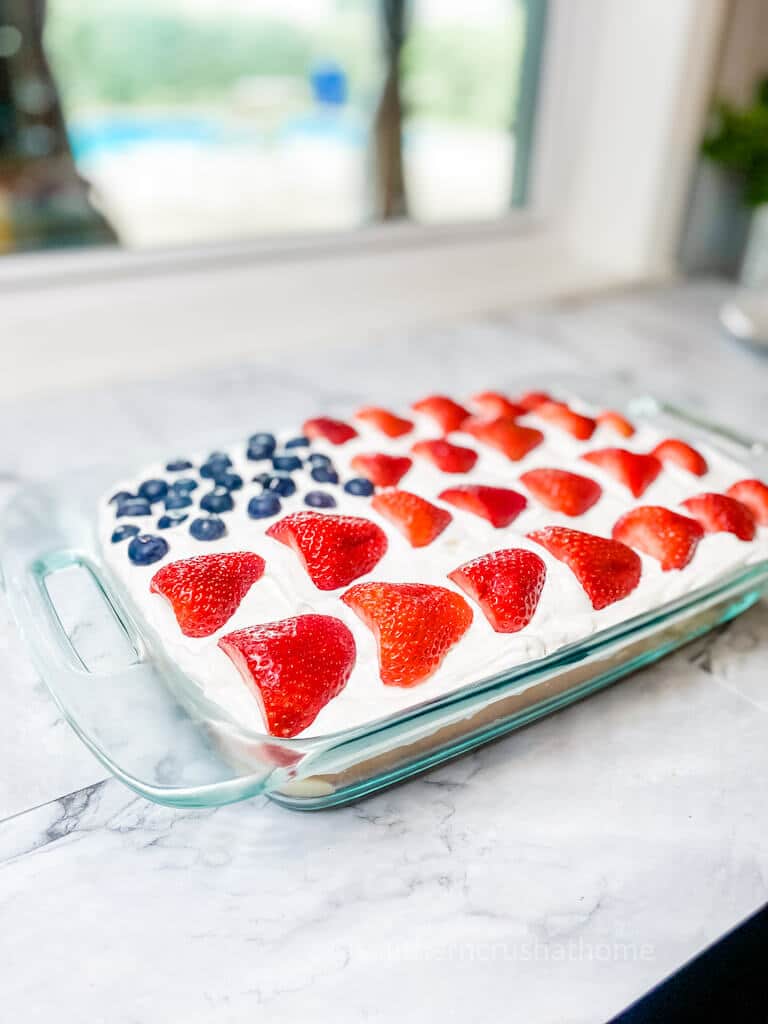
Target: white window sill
{"x":91,"y":327}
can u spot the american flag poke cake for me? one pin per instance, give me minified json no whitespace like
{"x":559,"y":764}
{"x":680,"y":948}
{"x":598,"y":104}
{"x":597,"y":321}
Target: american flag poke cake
{"x":316,"y":579}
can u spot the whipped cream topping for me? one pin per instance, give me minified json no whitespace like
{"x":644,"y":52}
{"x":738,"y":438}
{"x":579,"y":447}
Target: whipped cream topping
{"x":564,"y":613}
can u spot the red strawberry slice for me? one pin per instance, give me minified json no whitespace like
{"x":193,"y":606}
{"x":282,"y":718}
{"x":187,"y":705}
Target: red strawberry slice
{"x":532,"y":399}
{"x":499,"y":505}
{"x":753,"y":494}
{"x":335,"y":431}
{"x":506,"y":584}
{"x":607,"y":569}
{"x":492,"y":404}
{"x":415,"y":625}
{"x":333,"y":549}
{"x":664,"y":535}
{"x":637,"y":472}
{"x":206,"y":591}
{"x":682,"y":454}
{"x":448,"y":415}
{"x":505,"y":435}
{"x":382,"y":470}
{"x":569,"y":493}
{"x":450,"y":458}
{"x":293,"y":667}
{"x":616,"y":422}
{"x":719,"y":513}
{"x":562,"y":416}
{"x":384,"y":421}
{"x":417,"y":519}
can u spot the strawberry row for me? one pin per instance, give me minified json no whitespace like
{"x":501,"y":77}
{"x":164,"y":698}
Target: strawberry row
{"x":295,"y":666}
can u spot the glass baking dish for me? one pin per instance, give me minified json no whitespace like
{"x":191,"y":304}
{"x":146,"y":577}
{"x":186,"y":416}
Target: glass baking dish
{"x":154,"y":729}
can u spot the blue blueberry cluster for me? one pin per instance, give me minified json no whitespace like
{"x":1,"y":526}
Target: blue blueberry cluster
{"x":177,"y":498}
{"x":277,"y":483}
{"x":146,"y":548}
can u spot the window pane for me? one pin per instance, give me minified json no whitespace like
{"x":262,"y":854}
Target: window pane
{"x":163,"y":122}
{"x":462,"y":69}
{"x":199,"y":119}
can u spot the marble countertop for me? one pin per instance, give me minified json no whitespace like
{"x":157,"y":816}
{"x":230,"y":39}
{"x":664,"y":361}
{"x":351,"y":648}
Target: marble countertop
{"x":552,"y":876}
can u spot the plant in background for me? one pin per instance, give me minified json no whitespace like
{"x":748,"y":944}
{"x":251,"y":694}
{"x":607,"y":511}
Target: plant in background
{"x":738,"y":141}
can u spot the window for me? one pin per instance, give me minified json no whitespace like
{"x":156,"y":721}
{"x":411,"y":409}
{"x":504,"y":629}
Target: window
{"x":167,"y":122}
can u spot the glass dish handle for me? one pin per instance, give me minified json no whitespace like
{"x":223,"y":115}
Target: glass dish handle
{"x":116,"y":697}
{"x":754,"y":449}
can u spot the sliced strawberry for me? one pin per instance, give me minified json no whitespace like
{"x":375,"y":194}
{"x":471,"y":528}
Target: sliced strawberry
{"x":206,"y":591}
{"x":450,"y":458}
{"x":419,"y":521}
{"x":533,"y":399}
{"x":448,"y":415}
{"x":492,"y":404}
{"x":415,"y":625}
{"x":664,"y":535}
{"x":607,"y":569}
{"x":293,"y":667}
{"x":382,"y":470}
{"x":335,"y":431}
{"x":506,"y":584}
{"x":637,"y":472}
{"x":333,"y":549}
{"x":505,"y":435}
{"x":616,"y":422}
{"x":561,"y":415}
{"x":499,"y":505}
{"x":682,"y":454}
{"x":384,"y":421}
{"x":719,"y":513}
{"x":569,"y":493}
{"x":753,"y":494}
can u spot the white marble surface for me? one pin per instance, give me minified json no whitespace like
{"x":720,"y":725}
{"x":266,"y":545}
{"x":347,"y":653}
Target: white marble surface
{"x":550,"y":877}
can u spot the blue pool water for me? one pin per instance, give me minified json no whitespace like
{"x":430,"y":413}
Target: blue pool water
{"x":112,"y":134}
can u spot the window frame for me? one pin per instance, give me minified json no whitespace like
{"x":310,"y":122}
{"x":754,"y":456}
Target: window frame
{"x":576,"y":92}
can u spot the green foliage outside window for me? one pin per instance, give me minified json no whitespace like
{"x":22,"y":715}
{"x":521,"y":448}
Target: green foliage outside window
{"x":136,"y":53}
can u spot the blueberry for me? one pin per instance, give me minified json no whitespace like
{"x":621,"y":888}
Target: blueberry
{"x":282,"y":485}
{"x":175,"y":499}
{"x":288,"y":463}
{"x":359,"y":486}
{"x":120,"y":497}
{"x":134,"y":507}
{"x":121,"y":532}
{"x":319,"y":499}
{"x":325,"y":475}
{"x":262,"y":478}
{"x":184,"y":484}
{"x":318,"y":459}
{"x":216,"y":464}
{"x":175,"y":519}
{"x":146,"y":549}
{"x":257,"y":452}
{"x":264,"y":505}
{"x":262,"y":440}
{"x":207,"y":528}
{"x":153,"y":490}
{"x":232,"y":481}
{"x":217,"y":500}
{"x":177,"y":465}
{"x":297,"y":442}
